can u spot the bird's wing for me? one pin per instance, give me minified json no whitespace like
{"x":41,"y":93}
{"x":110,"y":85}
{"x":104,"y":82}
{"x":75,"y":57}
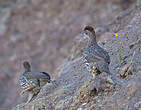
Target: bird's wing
{"x":92,"y":58}
{"x":38,"y":75}
{"x":102,"y":53}
{"x":91,"y":54}
{"x":94,"y":53}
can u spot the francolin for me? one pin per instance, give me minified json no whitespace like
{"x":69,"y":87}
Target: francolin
{"x":97,"y":58}
{"x":32,"y":82}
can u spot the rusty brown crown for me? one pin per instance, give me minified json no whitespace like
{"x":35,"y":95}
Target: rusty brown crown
{"x":89,"y":28}
{"x":26,"y":64}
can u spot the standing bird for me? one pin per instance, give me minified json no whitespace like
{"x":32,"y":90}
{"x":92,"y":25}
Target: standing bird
{"x":32,"y":82}
{"x":94,"y":54}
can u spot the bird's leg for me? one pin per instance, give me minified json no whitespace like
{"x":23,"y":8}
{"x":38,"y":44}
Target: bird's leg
{"x":23,"y":92}
{"x":26,"y":90}
{"x":30,"y":97}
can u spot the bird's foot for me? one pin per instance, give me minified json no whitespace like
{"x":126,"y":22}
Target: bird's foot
{"x":30,"y":97}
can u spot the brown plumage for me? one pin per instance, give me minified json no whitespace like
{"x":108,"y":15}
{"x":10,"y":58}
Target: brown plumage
{"x":32,"y":82}
{"x":89,"y":28}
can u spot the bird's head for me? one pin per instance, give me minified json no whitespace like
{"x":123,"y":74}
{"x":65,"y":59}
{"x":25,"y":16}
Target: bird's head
{"x":26,"y":66}
{"x":90,"y":32}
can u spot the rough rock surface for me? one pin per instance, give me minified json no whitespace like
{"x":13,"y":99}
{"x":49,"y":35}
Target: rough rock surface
{"x":42,"y":32}
{"x":76,"y":89}
{"x":45,"y":32}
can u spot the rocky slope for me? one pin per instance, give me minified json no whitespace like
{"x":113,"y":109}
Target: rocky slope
{"x":76,"y":89}
{"x":46,"y":33}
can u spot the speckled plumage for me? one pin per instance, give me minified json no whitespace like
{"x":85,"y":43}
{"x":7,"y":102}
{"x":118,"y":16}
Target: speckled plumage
{"x":94,"y":54}
{"x":32,"y":82}
{"x":98,"y":56}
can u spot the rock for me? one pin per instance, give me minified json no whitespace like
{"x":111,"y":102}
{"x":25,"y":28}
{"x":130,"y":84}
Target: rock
{"x":44,"y":32}
{"x":78,"y":89}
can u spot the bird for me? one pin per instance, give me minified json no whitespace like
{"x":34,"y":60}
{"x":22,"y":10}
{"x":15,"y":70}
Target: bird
{"x":97,"y":58}
{"x":31,"y":82}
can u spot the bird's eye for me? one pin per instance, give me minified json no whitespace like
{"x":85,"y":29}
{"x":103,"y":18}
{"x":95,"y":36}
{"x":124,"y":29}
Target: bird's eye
{"x":86,"y":33}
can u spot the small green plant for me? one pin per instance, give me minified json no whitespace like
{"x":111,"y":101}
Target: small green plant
{"x":120,"y":56}
{"x":131,"y":58}
{"x":138,"y":2}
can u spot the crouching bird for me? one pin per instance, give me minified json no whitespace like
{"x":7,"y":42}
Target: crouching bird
{"x":31,"y":82}
{"x":97,"y":58}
